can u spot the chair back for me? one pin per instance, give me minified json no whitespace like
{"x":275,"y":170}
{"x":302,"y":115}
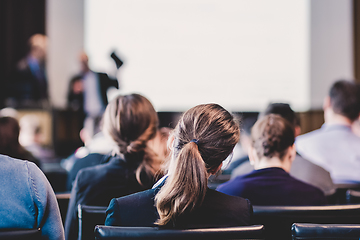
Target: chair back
{"x":352,"y":196}
{"x":310,"y":231}
{"x":339,"y":197}
{"x":20,"y":234}
{"x":144,"y":233}
{"x":89,"y":217}
{"x":278,"y":219}
{"x":63,"y":202}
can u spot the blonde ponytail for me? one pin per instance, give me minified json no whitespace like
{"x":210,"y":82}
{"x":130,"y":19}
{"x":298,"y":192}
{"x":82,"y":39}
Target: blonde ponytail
{"x":185,"y":188}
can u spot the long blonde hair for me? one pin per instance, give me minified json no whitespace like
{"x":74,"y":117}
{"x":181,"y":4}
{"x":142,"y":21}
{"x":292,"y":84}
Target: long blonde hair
{"x":203,"y":138}
{"x":131,"y":121}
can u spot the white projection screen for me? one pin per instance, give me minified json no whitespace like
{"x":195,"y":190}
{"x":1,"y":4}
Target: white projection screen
{"x":238,"y":53}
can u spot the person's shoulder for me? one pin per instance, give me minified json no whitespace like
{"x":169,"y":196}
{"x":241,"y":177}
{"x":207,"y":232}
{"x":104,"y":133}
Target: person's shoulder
{"x":9,"y":164}
{"x":102,"y":169}
{"x":310,"y":135}
{"x":304,"y":187}
{"x":232,"y":206}
{"x":137,"y":198}
{"x":234,"y":186}
{"x":227,"y":200}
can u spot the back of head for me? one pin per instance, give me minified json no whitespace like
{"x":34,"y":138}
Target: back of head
{"x":271,"y":136}
{"x":38,"y":46}
{"x":131,"y":121}
{"x":203,"y":138}
{"x":284,"y":110}
{"x":345,"y":99}
{"x":9,"y":136}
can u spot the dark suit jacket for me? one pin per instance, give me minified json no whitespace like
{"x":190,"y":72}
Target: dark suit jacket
{"x":273,"y":186}
{"x":90,"y":160}
{"x":27,"y":85}
{"x":76,"y":101}
{"x":217,"y":210}
{"x":97,"y":185}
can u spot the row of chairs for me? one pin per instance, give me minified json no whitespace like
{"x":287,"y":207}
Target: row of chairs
{"x":277,"y":220}
{"x":300,"y":231}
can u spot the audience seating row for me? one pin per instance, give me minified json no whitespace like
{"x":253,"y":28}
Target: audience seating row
{"x":277,"y":220}
{"x":112,"y":233}
{"x":300,"y":231}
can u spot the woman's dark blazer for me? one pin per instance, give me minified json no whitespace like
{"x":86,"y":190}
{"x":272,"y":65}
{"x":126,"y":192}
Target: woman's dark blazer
{"x":97,"y":185}
{"x":217,"y":210}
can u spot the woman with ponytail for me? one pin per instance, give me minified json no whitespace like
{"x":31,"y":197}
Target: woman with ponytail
{"x":204,"y":137}
{"x":272,"y":152}
{"x":131,"y":122}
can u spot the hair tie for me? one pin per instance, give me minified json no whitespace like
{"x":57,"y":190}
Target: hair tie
{"x":195,"y":141}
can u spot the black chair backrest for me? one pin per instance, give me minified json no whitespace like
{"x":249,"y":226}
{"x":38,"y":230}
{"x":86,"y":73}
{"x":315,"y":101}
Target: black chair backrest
{"x":278,"y":219}
{"x":340,"y":195}
{"x":112,"y":233}
{"x":352,"y":196}
{"x":20,"y":234}
{"x":89,"y":217}
{"x":63,"y":201}
{"x":310,"y":231}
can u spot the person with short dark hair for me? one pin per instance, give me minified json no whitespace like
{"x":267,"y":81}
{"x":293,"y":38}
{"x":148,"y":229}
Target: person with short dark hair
{"x":301,"y":168}
{"x":334,"y":146}
{"x":203,"y":138}
{"x":272,"y":152}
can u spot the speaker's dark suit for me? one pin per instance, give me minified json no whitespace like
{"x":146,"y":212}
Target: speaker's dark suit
{"x":217,"y":210}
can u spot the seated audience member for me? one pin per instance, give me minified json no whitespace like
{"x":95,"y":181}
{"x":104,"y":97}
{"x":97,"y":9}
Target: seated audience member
{"x":32,"y":138}
{"x":27,"y":199}
{"x":271,"y":152}
{"x":301,"y":168}
{"x":158,"y":144}
{"x":334,"y":146}
{"x":131,"y":121}
{"x":9,"y":141}
{"x":203,"y":138}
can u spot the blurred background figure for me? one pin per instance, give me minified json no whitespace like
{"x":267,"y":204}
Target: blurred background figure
{"x":9,"y":141}
{"x":30,"y":86}
{"x":88,"y":94}
{"x":334,"y":146}
{"x":75,"y":96}
{"x":31,"y":137}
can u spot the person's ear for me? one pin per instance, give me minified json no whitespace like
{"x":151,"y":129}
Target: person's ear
{"x":292,"y":150}
{"x":297,"y":131}
{"x":252,"y":155}
{"x":326,"y":103}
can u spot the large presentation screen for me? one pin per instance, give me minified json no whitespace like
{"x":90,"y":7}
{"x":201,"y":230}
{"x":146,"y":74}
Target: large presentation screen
{"x":238,"y":53}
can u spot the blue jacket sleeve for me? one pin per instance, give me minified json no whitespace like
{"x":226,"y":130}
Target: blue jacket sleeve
{"x":113,"y":214}
{"x":72,"y":222}
{"x":48,"y":213}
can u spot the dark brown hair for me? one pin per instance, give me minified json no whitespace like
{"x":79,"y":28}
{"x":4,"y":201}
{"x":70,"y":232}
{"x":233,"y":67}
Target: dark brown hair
{"x":271,"y":136}
{"x":203,"y":138}
{"x":131,"y":121}
{"x":345,"y":99}
{"x":9,"y":140}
